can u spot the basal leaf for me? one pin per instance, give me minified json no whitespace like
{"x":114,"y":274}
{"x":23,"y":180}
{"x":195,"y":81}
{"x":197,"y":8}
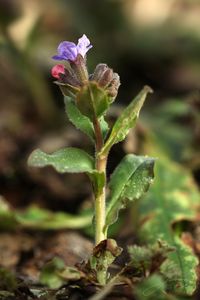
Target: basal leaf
{"x":130,"y":180}
{"x":126,"y":121}
{"x":78,"y":119}
{"x":92,"y":100}
{"x":39,"y":218}
{"x":68,"y":160}
{"x":172,"y":198}
{"x":152,"y":287}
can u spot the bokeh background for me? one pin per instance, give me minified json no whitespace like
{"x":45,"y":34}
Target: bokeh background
{"x":153,"y":42}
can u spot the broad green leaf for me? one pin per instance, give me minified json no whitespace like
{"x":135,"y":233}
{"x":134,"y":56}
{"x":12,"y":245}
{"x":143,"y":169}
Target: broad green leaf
{"x":130,"y":180}
{"x":126,"y":121}
{"x":78,"y":119}
{"x":68,"y":160}
{"x":172,"y":198}
{"x":92,"y":100}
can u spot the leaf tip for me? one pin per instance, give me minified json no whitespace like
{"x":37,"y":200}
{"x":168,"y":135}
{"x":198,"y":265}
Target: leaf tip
{"x":33,"y":158}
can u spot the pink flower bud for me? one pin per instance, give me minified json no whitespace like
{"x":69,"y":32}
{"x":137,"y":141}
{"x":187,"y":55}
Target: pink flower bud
{"x":57,"y":70}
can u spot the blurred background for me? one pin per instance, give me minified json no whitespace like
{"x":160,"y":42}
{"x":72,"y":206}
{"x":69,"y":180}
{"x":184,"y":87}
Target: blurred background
{"x":153,"y":42}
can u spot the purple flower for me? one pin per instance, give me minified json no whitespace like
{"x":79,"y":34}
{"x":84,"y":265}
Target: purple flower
{"x":69,"y":50}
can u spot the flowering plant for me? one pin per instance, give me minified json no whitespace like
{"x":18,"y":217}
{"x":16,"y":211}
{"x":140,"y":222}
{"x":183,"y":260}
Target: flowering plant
{"x":87,"y":99}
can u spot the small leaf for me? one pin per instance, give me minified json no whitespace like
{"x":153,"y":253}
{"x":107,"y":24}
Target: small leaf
{"x":68,"y":160}
{"x":92,"y":100}
{"x":98,"y":180}
{"x":50,"y":273}
{"x":71,"y":273}
{"x":130,"y":180}
{"x":78,"y":119}
{"x":104,"y":127}
{"x":126,"y":121}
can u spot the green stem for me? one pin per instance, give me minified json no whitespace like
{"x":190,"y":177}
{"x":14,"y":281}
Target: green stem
{"x":100,"y":198}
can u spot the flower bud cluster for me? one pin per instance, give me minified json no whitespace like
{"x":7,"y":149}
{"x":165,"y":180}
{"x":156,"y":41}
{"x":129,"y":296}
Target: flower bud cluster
{"x":75,"y":74}
{"x":106,"y":79}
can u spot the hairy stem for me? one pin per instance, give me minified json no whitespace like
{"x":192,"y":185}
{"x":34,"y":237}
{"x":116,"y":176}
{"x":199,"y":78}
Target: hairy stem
{"x":100,"y":197}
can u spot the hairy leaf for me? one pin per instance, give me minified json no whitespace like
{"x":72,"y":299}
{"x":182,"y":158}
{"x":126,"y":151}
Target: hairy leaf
{"x":126,"y":121}
{"x":152,"y":287}
{"x":172,"y":198}
{"x":78,"y":119}
{"x":130,"y":180}
{"x":68,"y":160}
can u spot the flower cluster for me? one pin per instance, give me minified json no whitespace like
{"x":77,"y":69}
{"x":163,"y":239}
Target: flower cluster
{"x":75,"y":74}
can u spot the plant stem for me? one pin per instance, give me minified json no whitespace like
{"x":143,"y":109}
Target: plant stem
{"x":100,"y":197}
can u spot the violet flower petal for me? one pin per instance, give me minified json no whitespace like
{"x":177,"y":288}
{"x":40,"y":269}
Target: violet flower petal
{"x":57,"y":57}
{"x":66,"y":51}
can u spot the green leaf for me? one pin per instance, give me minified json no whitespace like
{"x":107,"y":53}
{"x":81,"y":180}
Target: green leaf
{"x":50,"y":273}
{"x":130,"y":180}
{"x":68,"y":160}
{"x":152,"y":288}
{"x":78,"y":119}
{"x":54,"y":274}
{"x":104,"y":127}
{"x":149,"y":257}
{"x":98,"y":180}
{"x":126,"y":121}
{"x":172,"y":198}
{"x":92,"y":100}
{"x":71,"y":273}
{"x":39,"y":218}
